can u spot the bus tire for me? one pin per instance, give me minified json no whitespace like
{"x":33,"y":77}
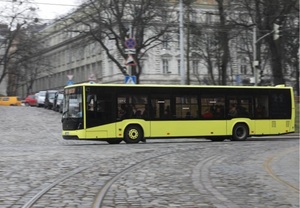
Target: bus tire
{"x":114,"y":141}
{"x":133,"y":134}
{"x":240,"y":132}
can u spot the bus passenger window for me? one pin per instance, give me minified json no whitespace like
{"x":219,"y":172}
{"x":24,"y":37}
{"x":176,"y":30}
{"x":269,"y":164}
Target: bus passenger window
{"x":260,"y":111}
{"x":232,"y":111}
{"x":125,"y":111}
{"x":212,"y":107}
{"x":145,"y":113}
{"x":207,"y":114}
{"x":186,"y":107}
{"x":261,"y":108}
{"x":219,"y":112}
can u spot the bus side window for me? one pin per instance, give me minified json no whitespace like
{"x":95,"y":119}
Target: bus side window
{"x":90,"y":102}
{"x":260,"y":111}
{"x":212,"y":107}
{"x":219,"y":112}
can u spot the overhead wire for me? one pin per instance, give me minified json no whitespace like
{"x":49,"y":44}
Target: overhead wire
{"x":38,"y":3}
{"x":52,"y":4}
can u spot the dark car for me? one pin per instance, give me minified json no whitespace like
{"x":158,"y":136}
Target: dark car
{"x":30,"y":100}
{"x":49,"y":98}
{"x":58,"y":100}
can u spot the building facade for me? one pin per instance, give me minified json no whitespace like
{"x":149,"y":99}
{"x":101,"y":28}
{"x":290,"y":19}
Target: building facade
{"x":74,"y":57}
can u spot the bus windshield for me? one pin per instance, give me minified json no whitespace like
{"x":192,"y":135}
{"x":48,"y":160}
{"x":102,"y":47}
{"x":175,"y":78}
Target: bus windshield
{"x":73,"y":103}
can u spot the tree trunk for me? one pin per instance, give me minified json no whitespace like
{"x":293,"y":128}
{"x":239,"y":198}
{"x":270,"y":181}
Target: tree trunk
{"x":224,"y":43}
{"x":276,"y":64}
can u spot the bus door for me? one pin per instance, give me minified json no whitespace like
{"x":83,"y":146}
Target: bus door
{"x":212,"y":115}
{"x":160,"y":112}
{"x":99,"y":119}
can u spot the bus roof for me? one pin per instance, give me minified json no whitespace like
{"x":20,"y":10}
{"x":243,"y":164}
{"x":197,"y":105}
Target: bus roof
{"x":177,"y":86}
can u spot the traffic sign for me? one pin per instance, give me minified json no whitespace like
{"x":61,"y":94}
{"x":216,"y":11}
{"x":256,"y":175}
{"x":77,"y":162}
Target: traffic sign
{"x":130,"y":61}
{"x":130,"y":80}
{"x":70,"y":82}
{"x":130,"y":51}
{"x":70,"y":76}
{"x":130,"y":43}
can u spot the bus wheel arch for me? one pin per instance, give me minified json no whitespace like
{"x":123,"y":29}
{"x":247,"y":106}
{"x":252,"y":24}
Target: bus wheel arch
{"x":240,"y":132}
{"x":133,"y":134}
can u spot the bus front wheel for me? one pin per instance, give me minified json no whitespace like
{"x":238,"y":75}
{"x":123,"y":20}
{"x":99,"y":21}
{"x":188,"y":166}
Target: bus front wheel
{"x":133,"y":134}
{"x":240,"y":132}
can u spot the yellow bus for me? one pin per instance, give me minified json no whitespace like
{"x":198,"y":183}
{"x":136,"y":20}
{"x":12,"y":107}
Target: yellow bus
{"x":134,"y":113}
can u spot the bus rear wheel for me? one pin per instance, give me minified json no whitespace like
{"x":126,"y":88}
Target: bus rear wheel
{"x":133,"y":134}
{"x":240,"y":132}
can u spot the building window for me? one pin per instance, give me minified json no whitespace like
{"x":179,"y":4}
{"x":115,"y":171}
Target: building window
{"x":208,"y":19}
{"x":195,"y":65}
{"x":193,"y":17}
{"x":166,"y":42}
{"x":165,"y":65}
{"x":243,"y":69}
{"x":243,"y":66}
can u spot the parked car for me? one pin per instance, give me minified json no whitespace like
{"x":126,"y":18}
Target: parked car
{"x":30,"y":100}
{"x":58,"y":101}
{"x":61,"y":106}
{"x":10,"y":101}
{"x":40,"y":97}
{"x":49,"y":98}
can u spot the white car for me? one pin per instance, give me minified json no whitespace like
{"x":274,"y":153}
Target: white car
{"x":40,"y":97}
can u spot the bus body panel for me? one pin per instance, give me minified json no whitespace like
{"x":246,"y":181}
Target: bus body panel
{"x":261,"y":127}
{"x":188,"y":128}
{"x":102,"y":132}
{"x":80,"y":134}
{"x":280,"y":126}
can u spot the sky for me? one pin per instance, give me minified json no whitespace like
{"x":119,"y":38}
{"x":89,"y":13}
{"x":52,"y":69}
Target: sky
{"x":50,"y":9}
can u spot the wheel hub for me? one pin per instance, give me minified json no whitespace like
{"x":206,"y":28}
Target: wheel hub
{"x":133,"y":134}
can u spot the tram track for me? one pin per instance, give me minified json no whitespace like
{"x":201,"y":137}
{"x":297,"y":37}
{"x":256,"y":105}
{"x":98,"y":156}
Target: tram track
{"x":98,"y":201}
{"x":200,"y":174}
{"x":100,"y":196}
{"x":37,"y":196}
{"x":267,"y":166}
{"x":102,"y":193}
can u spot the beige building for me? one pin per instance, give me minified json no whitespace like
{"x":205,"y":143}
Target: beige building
{"x":72,"y":57}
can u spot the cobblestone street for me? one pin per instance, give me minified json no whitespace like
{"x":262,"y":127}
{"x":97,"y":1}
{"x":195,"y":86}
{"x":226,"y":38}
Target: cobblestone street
{"x":40,"y":169}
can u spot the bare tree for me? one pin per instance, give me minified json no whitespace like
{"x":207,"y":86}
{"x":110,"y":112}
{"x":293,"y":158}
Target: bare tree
{"x":211,"y":41}
{"x":16,"y":16}
{"x":145,"y":21}
{"x":30,"y":62}
{"x":224,"y":40}
{"x":205,"y":41}
{"x":264,"y":14}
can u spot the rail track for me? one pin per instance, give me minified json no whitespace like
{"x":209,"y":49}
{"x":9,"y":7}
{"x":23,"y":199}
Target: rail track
{"x":200,"y":173}
{"x":271,"y":172}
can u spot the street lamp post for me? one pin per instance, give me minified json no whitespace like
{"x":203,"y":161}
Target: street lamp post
{"x":255,"y":41}
{"x":255,"y":62}
{"x":181,"y":28}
